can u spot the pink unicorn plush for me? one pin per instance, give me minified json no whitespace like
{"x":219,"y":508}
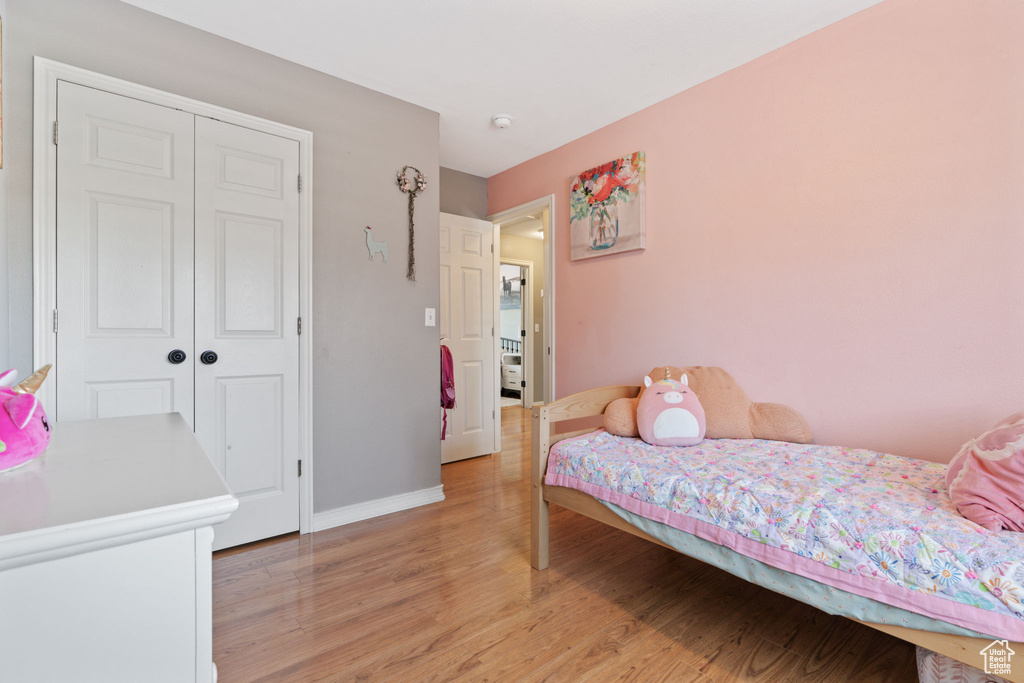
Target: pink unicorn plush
{"x":669,"y":414}
{"x":24,"y":430}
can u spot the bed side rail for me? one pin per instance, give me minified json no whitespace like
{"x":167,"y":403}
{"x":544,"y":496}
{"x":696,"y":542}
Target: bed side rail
{"x":584,"y":404}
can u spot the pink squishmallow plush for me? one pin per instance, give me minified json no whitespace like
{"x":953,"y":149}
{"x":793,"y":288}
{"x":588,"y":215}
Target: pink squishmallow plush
{"x":24,"y":430}
{"x":985,"y":479}
{"x":669,"y":414}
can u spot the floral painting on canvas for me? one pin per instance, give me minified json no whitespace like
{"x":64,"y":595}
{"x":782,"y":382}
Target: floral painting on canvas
{"x":606,"y":208}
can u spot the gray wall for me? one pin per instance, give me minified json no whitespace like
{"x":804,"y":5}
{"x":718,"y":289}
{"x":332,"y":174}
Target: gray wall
{"x":4,"y":316}
{"x":376,"y":371}
{"x":463,"y":194}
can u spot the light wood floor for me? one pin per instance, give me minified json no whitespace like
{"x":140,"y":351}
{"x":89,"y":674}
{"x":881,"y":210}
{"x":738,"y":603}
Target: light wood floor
{"x":446,"y":592}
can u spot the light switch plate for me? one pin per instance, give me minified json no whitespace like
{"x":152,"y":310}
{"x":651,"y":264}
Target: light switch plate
{"x":429,"y":318}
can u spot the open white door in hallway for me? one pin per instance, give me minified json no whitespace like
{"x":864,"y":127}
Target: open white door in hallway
{"x":180,"y":233}
{"x":468,"y":329}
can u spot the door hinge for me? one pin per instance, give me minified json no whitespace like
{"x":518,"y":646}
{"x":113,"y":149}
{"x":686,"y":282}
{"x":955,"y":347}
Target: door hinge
{"x":522,"y":283}
{"x":492,"y":247}
{"x":54,"y":132}
{"x":522,"y":333}
{"x":299,"y":325}
{"x":492,"y":331}
{"x":523,"y":384}
{"x":55,"y":321}
{"x":492,"y":415}
{"x":300,"y":468}
{"x":300,"y":182}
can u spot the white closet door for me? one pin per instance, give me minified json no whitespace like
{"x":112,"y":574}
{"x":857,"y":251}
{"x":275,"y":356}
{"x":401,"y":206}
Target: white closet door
{"x":124,"y":256}
{"x":467,"y":328}
{"x":247,"y":307}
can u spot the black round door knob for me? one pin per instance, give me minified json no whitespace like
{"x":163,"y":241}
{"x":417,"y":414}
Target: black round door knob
{"x":176,"y":356}
{"x":208,"y":357}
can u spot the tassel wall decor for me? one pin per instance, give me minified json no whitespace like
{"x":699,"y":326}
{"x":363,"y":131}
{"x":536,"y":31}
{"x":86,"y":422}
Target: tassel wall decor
{"x":412,"y":189}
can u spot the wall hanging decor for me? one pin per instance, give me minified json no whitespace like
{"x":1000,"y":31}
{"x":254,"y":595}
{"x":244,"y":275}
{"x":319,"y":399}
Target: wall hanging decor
{"x":606,"y":207}
{"x":412,"y":189}
{"x":374,"y":246}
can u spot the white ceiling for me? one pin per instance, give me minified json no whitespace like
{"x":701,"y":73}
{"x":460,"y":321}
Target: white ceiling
{"x":560,"y":68}
{"x":527,"y":226}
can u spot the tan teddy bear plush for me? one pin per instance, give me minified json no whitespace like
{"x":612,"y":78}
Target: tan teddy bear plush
{"x":729,"y":411}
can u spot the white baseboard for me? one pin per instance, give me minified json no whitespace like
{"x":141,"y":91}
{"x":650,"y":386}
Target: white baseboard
{"x":375,"y":508}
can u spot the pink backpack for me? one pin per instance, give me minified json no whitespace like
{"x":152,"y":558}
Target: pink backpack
{"x":447,"y":385}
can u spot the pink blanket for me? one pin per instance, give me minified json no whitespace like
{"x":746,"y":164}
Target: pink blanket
{"x":873,"y":524}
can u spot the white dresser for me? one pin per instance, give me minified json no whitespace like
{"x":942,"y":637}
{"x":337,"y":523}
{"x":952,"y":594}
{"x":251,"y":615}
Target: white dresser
{"x":105,"y":555}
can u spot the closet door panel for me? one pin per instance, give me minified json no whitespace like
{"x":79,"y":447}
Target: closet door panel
{"x":137,"y":397}
{"x":125,"y":188}
{"x":249,"y":270}
{"x":247,"y":239}
{"x":131,"y":283}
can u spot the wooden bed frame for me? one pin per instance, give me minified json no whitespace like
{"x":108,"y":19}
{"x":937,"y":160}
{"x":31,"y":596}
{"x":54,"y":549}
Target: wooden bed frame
{"x":589,"y":404}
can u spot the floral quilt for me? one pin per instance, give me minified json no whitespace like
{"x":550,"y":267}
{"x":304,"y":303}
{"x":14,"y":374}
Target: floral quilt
{"x":877,"y":525}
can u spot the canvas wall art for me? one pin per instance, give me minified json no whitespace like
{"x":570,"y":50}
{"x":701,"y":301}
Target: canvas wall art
{"x":606,"y":208}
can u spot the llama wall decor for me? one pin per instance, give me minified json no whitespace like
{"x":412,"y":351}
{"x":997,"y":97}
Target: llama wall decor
{"x":374,"y":246}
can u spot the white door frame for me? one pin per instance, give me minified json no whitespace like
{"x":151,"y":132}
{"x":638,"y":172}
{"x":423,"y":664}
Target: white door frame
{"x":545,"y":206}
{"x":496,"y":332}
{"x":526,"y":294}
{"x":44,"y":228}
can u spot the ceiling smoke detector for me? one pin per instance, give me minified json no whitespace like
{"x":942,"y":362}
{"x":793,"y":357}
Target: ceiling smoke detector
{"x":501,"y":121}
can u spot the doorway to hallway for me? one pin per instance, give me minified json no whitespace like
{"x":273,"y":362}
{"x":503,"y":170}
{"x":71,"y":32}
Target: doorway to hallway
{"x":513,"y":324}
{"x":526,"y":239}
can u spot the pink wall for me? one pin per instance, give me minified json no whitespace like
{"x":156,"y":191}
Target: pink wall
{"x":839,"y":223}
